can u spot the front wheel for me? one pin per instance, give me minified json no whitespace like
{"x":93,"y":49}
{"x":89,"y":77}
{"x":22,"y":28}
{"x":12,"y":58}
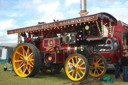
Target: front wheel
{"x":26,"y":60}
{"x":76,"y":67}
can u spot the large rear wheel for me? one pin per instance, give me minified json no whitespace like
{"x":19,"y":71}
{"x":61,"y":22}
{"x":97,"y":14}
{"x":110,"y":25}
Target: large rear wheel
{"x":26,"y":60}
{"x":97,"y":65}
{"x":76,"y":67}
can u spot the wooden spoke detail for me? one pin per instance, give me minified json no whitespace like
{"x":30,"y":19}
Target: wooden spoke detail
{"x":78,"y":69}
{"x":98,"y":67}
{"x":17,"y":61}
{"x":24,"y":58}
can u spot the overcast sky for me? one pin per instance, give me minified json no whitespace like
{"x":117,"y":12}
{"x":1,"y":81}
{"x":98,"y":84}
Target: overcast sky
{"x":20,"y":13}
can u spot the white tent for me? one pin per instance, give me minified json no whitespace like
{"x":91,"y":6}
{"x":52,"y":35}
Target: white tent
{"x":6,"y":51}
{"x":3,"y":56}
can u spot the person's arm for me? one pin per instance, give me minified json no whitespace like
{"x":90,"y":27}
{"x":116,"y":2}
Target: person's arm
{"x":121,"y":61}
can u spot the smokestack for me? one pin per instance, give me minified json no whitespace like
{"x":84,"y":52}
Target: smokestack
{"x":83,"y":5}
{"x":83,"y":11}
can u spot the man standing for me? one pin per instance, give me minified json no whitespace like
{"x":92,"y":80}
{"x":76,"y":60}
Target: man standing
{"x":124,"y":64}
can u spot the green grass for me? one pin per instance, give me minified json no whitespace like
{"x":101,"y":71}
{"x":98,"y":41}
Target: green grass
{"x":10,"y":78}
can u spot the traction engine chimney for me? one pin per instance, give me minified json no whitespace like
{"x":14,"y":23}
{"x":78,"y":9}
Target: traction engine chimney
{"x":83,"y":11}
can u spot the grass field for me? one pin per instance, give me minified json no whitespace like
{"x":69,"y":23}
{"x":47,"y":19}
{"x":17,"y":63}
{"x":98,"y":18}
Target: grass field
{"x":10,"y":78}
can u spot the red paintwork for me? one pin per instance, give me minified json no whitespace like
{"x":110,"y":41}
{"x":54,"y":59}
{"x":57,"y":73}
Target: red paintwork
{"x":64,"y":47}
{"x":112,"y":55}
{"x":61,"y":57}
{"x":116,"y":55}
{"x":119,"y":27}
{"x":118,"y":33}
{"x":29,"y":39}
{"x":72,"y":49}
{"x":47,"y":33}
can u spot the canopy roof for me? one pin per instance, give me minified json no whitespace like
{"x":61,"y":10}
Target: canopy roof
{"x":121,"y":26}
{"x":125,"y":25}
{"x":59,"y":24}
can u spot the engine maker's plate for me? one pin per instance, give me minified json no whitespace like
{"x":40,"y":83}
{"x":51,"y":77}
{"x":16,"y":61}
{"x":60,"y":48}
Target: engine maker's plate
{"x":51,"y":42}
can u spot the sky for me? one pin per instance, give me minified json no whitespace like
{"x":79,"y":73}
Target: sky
{"x":21,"y":13}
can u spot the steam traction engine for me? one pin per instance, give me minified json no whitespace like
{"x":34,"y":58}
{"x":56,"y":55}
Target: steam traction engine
{"x":69,"y":43}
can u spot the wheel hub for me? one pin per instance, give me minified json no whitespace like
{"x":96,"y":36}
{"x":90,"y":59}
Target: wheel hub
{"x":74,"y":68}
{"x":96,"y":65}
{"x":24,"y":60}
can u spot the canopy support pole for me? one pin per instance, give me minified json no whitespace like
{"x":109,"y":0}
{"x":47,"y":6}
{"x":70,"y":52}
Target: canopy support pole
{"x":110,"y":29}
{"x":98,"y":28}
{"x":102,"y":28}
{"x":113,"y":31}
{"x":19,"y":38}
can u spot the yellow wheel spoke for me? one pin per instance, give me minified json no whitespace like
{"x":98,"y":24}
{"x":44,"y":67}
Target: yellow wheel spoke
{"x":82,"y":68}
{"x":30,"y":55}
{"x":73,"y":72}
{"x":81,"y":64}
{"x":20,"y":54}
{"x":21,"y":57}
{"x":97,"y":71}
{"x":31,"y":60}
{"x":73,"y":61}
{"x":25,"y":70}
{"x":98,"y":60}
{"x":24,"y":52}
{"x":81,"y":71}
{"x":70,"y":71}
{"x":18,"y":61}
{"x":20,"y":67}
{"x":91,"y":70}
{"x":27,"y":51}
{"x":70,"y":63}
{"x":78,"y":74}
{"x":101,"y":67}
{"x":78,"y":61}
{"x":30,"y":64}
{"x":29,"y":69}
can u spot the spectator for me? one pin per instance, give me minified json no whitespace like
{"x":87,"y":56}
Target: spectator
{"x":124,"y":58}
{"x":25,"y":39}
{"x":124,"y":62}
{"x":117,"y":67}
{"x":117,"y":70}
